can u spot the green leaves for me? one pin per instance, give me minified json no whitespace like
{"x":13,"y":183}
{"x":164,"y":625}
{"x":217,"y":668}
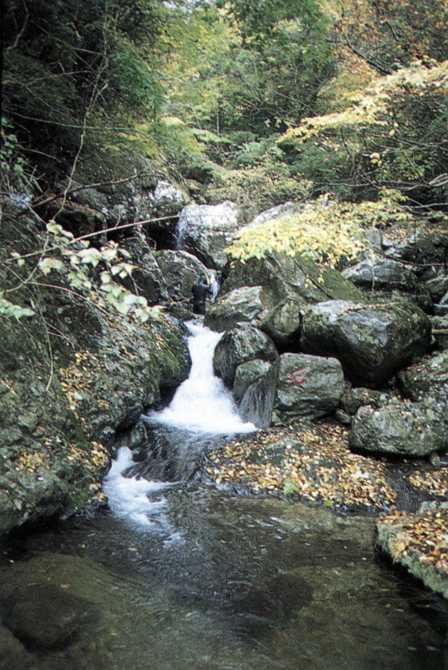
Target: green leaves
{"x":9,"y":309}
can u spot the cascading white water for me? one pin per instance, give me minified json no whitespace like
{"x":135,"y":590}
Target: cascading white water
{"x":201,"y":405}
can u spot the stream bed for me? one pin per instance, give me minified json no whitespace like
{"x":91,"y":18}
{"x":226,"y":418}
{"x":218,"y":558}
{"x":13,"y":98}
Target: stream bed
{"x":177,"y":575}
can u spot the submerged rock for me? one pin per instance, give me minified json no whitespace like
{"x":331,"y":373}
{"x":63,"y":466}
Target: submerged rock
{"x":307,"y":387}
{"x":402,"y":429}
{"x":206,"y":231}
{"x":371,"y":341}
{"x":239,"y":345}
{"x":45,"y":616}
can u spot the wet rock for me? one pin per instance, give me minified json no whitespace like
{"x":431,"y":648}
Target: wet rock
{"x":206,"y":231}
{"x":283,"y":323}
{"x":307,"y":387}
{"x":257,"y":403}
{"x":45,"y":616}
{"x":371,"y":341}
{"x":181,"y":272}
{"x":247,"y":374}
{"x":402,"y":429}
{"x":242,"y":305}
{"x":381,"y":274}
{"x":239,"y":345}
{"x":428,"y":377}
{"x":168,"y":198}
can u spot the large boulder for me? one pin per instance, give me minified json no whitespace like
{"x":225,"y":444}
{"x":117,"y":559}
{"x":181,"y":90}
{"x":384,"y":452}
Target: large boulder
{"x":248,"y":304}
{"x":371,"y":341}
{"x":437,"y":286}
{"x":206,"y":231}
{"x":239,"y":345}
{"x":307,"y":387}
{"x":181,"y":272}
{"x":382,"y":274}
{"x":284,"y":276}
{"x":402,"y":429}
{"x":428,"y":377}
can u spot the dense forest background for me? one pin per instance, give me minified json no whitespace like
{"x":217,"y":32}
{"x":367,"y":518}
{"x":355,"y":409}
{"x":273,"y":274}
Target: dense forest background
{"x":218,"y":92}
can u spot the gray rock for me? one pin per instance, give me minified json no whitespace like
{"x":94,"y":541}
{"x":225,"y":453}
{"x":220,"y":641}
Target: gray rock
{"x":437,"y":286}
{"x":354,"y":398}
{"x":274,"y":213}
{"x":422,"y":246}
{"x":257,"y":403}
{"x":168,"y":198}
{"x":147,"y":275}
{"x":307,"y":387}
{"x":247,"y":374}
{"x":440,"y":331}
{"x":181,"y":271}
{"x":428,"y":377}
{"x":371,"y":341}
{"x":283,"y":323}
{"x":239,"y":345}
{"x":403,"y":429}
{"x":290,"y":277}
{"x":382,"y":274}
{"x":242,"y":305}
{"x":206,"y":231}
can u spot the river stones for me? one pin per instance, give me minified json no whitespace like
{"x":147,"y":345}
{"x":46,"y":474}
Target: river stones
{"x":307,"y":387}
{"x":239,"y":345}
{"x":440,"y":331}
{"x":402,"y":429}
{"x":382,"y":274}
{"x":206,"y":231}
{"x":181,"y":272}
{"x":437,"y":286}
{"x":371,"y":341}
{"x":428,"y":377}
{"x":247,"y":304}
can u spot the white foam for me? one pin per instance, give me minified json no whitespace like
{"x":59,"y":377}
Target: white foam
{"x":129,"y":497}
{"x":202,"y":404}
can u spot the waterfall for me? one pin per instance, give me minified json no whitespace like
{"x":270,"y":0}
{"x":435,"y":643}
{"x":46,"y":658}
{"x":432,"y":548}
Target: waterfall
{"x":201,"y":408}
{"x":202,"y":404}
